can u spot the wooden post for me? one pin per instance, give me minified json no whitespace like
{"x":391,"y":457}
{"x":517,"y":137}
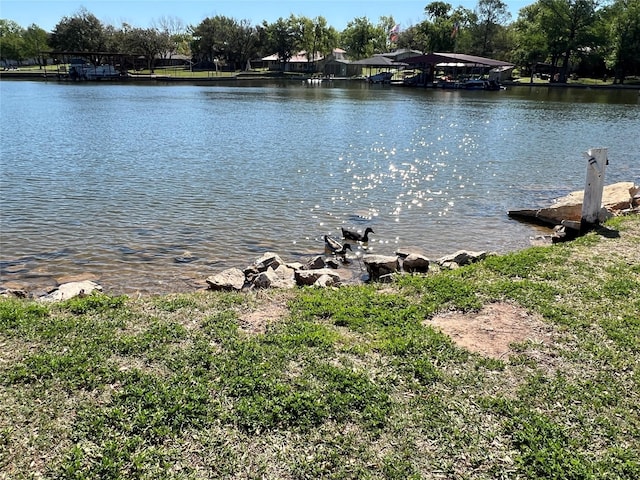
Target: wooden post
{"x":592,"y":202}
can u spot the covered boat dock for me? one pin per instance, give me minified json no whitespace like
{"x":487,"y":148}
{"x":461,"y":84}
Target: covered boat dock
{"x":383,"y":65}
{"x":448,"y":70}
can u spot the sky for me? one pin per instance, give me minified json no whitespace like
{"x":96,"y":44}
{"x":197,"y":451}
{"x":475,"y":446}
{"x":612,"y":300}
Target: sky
{"x":142,"y":13}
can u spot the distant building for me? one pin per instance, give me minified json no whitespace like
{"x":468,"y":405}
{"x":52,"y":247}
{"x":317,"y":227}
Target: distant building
{"x":337,"y":64}
{"x":175,"y":60}
{"x":301,"y":62}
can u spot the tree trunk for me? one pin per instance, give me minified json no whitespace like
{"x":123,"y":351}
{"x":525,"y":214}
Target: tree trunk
{"x":565,"y":67}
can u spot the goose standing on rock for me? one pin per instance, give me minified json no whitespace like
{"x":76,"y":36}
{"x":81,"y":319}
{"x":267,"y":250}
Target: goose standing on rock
{"x":335,"y":247}
{"x":358,"y":237}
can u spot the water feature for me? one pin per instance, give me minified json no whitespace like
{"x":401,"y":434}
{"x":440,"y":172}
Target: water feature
{"x":151,"y":188}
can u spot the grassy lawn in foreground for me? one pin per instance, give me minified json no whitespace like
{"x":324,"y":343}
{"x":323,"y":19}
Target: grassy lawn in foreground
{"x":346,"y":383}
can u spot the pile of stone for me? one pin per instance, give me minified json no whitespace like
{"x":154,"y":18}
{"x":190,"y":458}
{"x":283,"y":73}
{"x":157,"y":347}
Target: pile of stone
{"x":271,"y":271}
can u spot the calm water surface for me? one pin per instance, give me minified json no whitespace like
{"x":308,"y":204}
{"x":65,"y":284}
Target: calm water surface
{"x":153,"y":188}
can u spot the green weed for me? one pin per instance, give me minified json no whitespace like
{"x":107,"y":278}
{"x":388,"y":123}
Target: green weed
{"x":17,"y":317}
{"x":173,"y":304}
{"x":546,"y":449}
{"x":158,"y":335}
{"x":94,"y":303}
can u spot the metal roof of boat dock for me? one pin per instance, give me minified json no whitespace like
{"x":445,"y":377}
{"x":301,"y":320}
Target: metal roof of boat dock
{"x":469,"y":60}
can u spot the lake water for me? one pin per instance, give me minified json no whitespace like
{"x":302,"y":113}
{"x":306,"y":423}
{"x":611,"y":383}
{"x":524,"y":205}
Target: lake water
{"x":152,"y":188}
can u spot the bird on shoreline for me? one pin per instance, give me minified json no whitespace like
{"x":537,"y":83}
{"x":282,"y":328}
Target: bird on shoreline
{"x":335,"y":247}
{"x":358,"y":237}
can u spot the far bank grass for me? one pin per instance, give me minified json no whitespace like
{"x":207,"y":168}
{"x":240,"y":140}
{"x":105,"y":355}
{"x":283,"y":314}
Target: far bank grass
{"x":352,"y":383}
{"x":180,"y":72}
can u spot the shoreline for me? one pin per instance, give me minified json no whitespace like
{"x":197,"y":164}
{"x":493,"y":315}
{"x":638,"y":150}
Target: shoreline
{"x":155,"y":78}
{"x":351,"y":272}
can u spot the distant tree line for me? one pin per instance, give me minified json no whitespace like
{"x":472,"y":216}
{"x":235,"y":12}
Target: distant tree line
{"x":590,"y":38}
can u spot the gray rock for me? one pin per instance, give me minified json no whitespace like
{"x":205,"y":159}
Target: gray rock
{"x":332,"y":263}
{"x":379,"y":265}
{"x":71,"y":290}
{"x":11,"y":292}
{"x":315,"y":263}
{"x":286,"y":277}
{"x":614,"y":198}
{"x":251,"y":272}
{"x":309,"y":277}
{"x":230,"y":279}
{"x":325,"y":281}
{"x":265,"y":279}
{"x":267,"y":260}
{"x":186,"y":257}
{"x":295,"y":265}
{"x":415,"y":263}
{"x":461,"y":258}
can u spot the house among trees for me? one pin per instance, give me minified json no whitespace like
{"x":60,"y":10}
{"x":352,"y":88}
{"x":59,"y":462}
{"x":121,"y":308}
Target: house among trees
{"x":172,"y":60}
{"x":336,"y":64}
{"x":299,"y":63}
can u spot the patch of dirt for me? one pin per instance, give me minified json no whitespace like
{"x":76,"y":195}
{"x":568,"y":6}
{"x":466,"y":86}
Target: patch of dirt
{"x":493,"y":329}
{"x":268,"y":311}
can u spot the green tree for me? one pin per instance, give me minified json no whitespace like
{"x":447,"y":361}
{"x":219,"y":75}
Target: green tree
{"x":530,"y":42}
{"x":148,"y":42}
{"x":623,"y":22}
{"x":182,"y":43}
{"x":241,"y":44}
{"x":281,"y":37}
{"x":174,"y":29}
{"x":361,"y":38}
{"x":443,"y":29}
{"x":35,"y":42}
{"x":492,"y":15}
{"x":11,"y":41}
{"x":412,"y":38}
{"x":316,"y":37}
{"x":82,"y":32}
{"x":223,"y":38}
{"x":438,"y":10}
{"x":115,"y":39}
{"x":208,"y":38}
{"x":386,"y":23}
{"x":557,"y":32}
{"x":568,"y":25}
